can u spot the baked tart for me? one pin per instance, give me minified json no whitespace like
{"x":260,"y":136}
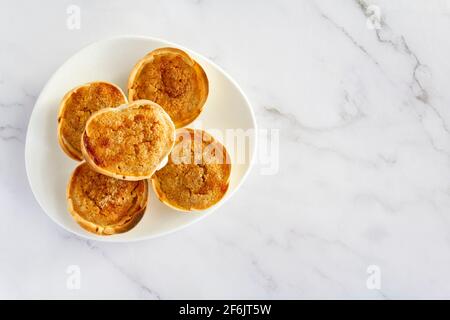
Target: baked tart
{"x":197,"y":173}
{"x":76,"y":107}
{"x":104,"y":205}
{"x":129,"y":142}
{"x":171,"y":78}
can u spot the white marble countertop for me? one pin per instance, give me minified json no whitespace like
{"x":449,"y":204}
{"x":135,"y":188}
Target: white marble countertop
{"x":363,"y":110}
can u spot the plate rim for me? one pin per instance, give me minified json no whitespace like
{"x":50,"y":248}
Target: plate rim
{"x":253,"y":149}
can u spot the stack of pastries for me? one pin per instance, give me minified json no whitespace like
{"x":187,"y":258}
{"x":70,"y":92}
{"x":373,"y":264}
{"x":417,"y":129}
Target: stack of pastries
{"x":122,"y":142}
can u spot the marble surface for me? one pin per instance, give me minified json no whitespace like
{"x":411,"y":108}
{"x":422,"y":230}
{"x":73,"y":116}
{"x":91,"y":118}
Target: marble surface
{"x":362,"y":104}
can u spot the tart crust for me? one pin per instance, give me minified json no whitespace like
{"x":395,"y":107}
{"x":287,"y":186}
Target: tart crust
{"x":171,"y":78}
{"x":197,"y":174}
{"x":104,"y":205}
{"x":129,"y":142}
{"x":76,"y":107}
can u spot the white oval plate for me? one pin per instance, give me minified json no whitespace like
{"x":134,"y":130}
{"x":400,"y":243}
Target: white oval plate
{"x":48,"y":168}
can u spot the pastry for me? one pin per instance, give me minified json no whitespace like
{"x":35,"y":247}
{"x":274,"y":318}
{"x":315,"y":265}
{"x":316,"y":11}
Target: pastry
{"x":129,"y":142}
{"x":77,"y":106}
{"x":104,"y":205}
{"x":197,"y":173}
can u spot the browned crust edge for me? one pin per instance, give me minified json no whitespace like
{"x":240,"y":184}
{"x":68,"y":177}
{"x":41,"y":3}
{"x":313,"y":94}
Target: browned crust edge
{"x":88,"y":157}
{"x":65,"y":146}
{"x":109,"y":230}
{"x":162,"y":197}
{"x":201,"y":76}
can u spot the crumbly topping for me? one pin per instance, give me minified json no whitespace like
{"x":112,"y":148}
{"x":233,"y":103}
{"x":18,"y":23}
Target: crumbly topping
{"x":129,"y":142}
{"x":197,"y":173}
{"x":103,"y":200}
{"x":81,"y":104}
{"x":172,"y":83}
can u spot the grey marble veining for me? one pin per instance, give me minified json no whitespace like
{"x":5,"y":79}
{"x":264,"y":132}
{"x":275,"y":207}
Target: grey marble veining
{"x":362,"y":103}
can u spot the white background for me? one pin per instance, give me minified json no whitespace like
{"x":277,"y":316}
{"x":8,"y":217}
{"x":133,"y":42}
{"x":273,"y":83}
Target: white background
{"x":364,"y":157}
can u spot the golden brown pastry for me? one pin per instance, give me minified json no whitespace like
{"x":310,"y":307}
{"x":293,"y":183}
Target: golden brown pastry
{"x":171,"y":78}
{"x":129,"y":142}
{"x":197,"y":173}
{"x":76,"y":107}
{"x":104,"y":205}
